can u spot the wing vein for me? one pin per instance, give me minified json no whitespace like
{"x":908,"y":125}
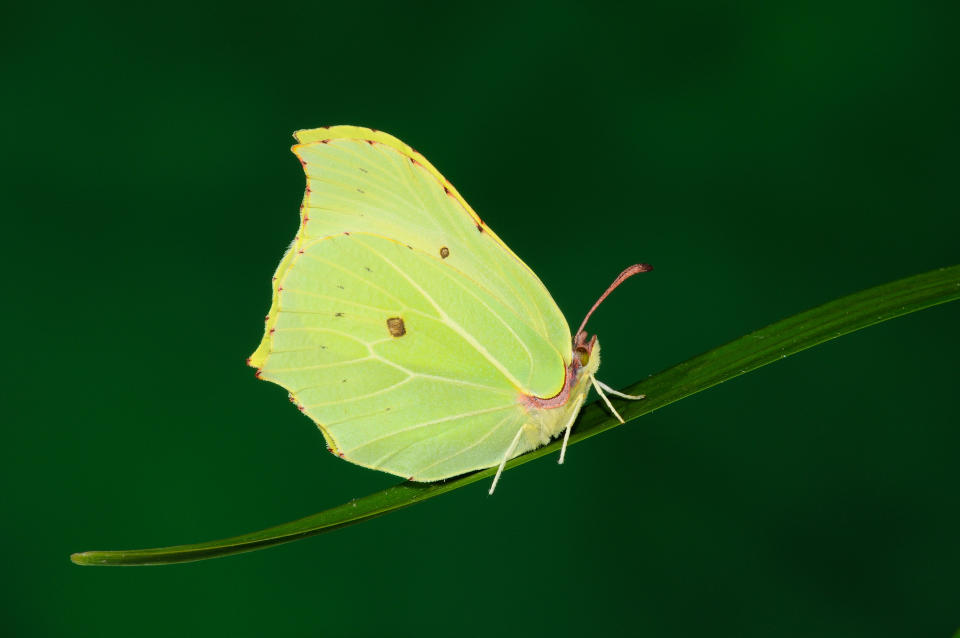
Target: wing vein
{"x":450,"y":322}
{"x":434,"y":377}
{"x":417,"y":426}
{"x":356,"y":398}
{"x":467,"y":448}
{"x":320,"y":366}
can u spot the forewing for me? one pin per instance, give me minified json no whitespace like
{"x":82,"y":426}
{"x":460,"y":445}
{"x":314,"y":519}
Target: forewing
{"x":360,"y":180}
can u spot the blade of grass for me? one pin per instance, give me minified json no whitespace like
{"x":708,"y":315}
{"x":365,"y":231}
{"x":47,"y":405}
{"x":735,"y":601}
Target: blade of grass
{"x":769,"y":344}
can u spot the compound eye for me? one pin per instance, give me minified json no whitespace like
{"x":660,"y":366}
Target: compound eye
{"x":582,"y":355}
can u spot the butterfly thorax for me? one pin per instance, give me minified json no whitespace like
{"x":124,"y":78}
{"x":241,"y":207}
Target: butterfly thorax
{"x":550,"y":415}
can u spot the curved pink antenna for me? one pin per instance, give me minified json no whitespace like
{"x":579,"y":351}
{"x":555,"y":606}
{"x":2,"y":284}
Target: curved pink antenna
{"x":626,"y":274}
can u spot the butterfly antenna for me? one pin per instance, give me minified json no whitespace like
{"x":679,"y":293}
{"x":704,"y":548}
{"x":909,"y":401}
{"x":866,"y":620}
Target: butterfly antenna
{"x":566,"y":435}
{"x":506,"y":457}
{"x":626,"y":274}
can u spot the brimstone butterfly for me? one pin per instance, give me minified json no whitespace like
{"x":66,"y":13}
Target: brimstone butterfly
{"x":418,"y":342}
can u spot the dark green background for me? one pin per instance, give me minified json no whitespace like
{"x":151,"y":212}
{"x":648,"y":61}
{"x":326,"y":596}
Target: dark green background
{"x":765,"y":158}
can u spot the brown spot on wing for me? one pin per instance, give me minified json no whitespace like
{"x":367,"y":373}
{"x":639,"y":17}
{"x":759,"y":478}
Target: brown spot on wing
{"x":396,"y":327}
{"x":444,"y":252}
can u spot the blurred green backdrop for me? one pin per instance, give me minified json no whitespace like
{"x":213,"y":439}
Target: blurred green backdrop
{"x":764,"y":157}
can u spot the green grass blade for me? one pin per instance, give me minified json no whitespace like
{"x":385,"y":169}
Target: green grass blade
{"x":747,"y":353}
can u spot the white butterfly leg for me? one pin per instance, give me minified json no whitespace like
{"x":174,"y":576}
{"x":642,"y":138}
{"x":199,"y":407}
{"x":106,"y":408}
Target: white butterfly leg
{"x":596,"y":386}
{"x":566,"y":435}
{"x":632,"y":397}
{"x":506,"y":457}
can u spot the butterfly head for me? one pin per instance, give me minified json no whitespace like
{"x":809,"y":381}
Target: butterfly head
{"x":583,"y":348}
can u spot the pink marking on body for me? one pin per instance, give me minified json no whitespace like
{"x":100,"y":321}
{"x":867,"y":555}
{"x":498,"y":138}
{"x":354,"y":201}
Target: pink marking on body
{"x":371,"y":142}
{"x":272,"y":330}
{"x":324,"y":141}
{"x":559,"y":399}
{"x":300,"y":252}
{"x":340,"y":454}
{"x":258,"y":372}
{"x":580,"y":347}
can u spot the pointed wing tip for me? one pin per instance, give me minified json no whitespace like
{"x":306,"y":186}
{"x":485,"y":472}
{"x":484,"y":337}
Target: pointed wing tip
{"x":299,"y":134}
{"x":308,"y":135}
{"x":305,"y":135}
{"x":351,"y":132}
